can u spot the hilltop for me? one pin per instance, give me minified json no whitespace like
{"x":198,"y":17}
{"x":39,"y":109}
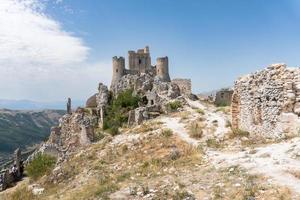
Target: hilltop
{"x":149,"y":137}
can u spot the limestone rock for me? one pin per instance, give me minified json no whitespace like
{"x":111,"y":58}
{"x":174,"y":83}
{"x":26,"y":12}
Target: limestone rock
{"x":91,"y":102}
{"x":267,"y":103}
{"x":103,"y":96}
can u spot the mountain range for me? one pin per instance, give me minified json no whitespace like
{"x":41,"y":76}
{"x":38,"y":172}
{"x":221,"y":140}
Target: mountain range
{"x":36,"y":105}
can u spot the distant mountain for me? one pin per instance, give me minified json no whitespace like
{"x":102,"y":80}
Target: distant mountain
{"x":34,"y":105}
{"x":25,"y":128}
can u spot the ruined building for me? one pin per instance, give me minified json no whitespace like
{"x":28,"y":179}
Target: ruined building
{"x":223,"y":97}
{"x":185,"y":85}
{"x":267,"y":103}
{"x":151,"y":83}
{"x":140,"y":62}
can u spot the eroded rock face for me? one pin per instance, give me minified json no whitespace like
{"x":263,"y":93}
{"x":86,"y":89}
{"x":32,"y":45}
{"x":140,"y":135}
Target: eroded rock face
{"x":74,"y":130}
{"x":91,"y":102}
{"x":102,"y":96}
{"x":267,"y":103}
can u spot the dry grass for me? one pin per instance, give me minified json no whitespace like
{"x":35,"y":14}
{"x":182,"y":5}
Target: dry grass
{"x":148,"y":126}
{"x":238,"y":133}
{"x":200,"y":111}
{"x":224,"y":109}
{"x":21,"y":193}
{"x":167,"y":132}
{"x":195,"y":129}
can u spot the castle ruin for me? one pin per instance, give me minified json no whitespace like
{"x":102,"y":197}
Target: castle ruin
{"x":223,"y":97}
{"x":185,"y":85}
{"x":267,"y":103}
{"x":139,"y":62}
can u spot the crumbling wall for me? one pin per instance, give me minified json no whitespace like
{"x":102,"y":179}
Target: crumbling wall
{"x":185,"y":85}
{"x":267,"y":102}
{"x":223,"y":97}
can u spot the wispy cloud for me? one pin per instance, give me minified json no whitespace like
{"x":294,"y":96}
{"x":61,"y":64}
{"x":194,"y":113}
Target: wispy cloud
{"x":28,"y":36}
{"x":39,"y":59}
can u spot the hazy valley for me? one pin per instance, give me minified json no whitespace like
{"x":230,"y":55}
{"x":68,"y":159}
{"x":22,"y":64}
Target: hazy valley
{"x":25,"y":128}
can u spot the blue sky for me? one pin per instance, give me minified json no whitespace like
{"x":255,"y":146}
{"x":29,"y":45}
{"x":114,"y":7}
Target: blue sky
{"x":212,"y":42}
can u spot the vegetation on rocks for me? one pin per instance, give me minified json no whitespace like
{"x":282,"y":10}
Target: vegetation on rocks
{"x":173,"y":106}
{"x":41,"y":165}
{"x":118,"y":110}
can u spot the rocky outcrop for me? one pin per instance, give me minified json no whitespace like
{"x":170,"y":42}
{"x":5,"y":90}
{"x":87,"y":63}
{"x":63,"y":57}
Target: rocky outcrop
{"x":102,"y":97}
{"x":74,"y":130}
{"x":267,"y":103}
{"x":91,"y":102}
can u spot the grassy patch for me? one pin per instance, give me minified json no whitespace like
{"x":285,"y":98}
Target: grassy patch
{"x":21,"y":193}
{"x":167,"y":132}
{"x":224,"y":109}
{"x":239,"y":133}
{"x":200,"y":111}
{"x":213,"y":143}
{"x":173,"y":106}
{"x":41,"y":165}
{"x":195,"y":129}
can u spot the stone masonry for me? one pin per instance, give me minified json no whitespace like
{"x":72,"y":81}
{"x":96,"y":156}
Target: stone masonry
{"x":267,"y":103}
{"x":223,"y":97}
{"x":185,"y":85}
{"x":139,"y":62}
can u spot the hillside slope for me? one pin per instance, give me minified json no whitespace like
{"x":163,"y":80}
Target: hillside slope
{"x":25,"y":128}
{"x":174,"y":156}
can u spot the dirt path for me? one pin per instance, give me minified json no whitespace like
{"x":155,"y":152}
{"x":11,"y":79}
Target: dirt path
{"x":178,"y":128}
{"x":280,"y":162}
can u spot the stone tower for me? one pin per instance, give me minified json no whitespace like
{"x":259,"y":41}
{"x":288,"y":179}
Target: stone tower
{"x":139,"y":61}
{"x":118,"y":69}
{"x":162,"y":69}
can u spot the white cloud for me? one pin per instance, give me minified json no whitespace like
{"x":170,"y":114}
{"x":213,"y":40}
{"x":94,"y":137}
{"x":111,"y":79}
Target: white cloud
{"x":40,"y":60}
{"x":28,"y":36}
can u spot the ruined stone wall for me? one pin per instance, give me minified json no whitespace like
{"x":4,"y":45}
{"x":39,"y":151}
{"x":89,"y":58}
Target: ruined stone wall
{"x":267,"y":103}
{"x":223,"y":97}
{"x":185,"y":85}
{"x":139,"y":61}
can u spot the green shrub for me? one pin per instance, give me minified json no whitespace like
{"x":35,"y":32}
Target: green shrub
{"x":41,"y":165}
{"x":222,"y":104}
{"x":240,"y":133}
{"x":213,"y":143}
{"x":174,"y":105}
{"x":117,"y":112}
{"x":167,"y":132}
{"x":200,"y":111}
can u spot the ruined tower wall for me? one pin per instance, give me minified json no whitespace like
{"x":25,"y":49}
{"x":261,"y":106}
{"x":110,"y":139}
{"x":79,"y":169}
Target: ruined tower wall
{"x":223,"y":97}
{"x":267,"y":103}
{"x":118,"y":69}
{"x":185,"y":85}
{"x":162,"y":68}
{"x":139,"y":61}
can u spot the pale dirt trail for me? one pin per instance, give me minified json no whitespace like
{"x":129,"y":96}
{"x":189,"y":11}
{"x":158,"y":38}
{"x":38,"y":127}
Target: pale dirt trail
{"x":275,"y":161}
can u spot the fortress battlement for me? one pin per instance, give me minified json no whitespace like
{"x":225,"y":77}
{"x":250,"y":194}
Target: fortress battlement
{"x":140,"y":62}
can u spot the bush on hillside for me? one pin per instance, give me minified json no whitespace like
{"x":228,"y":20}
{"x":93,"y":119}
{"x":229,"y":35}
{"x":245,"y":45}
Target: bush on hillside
{"x":41,"y":165}
{"x":173,"y":106}
{"x":117,"y":112}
